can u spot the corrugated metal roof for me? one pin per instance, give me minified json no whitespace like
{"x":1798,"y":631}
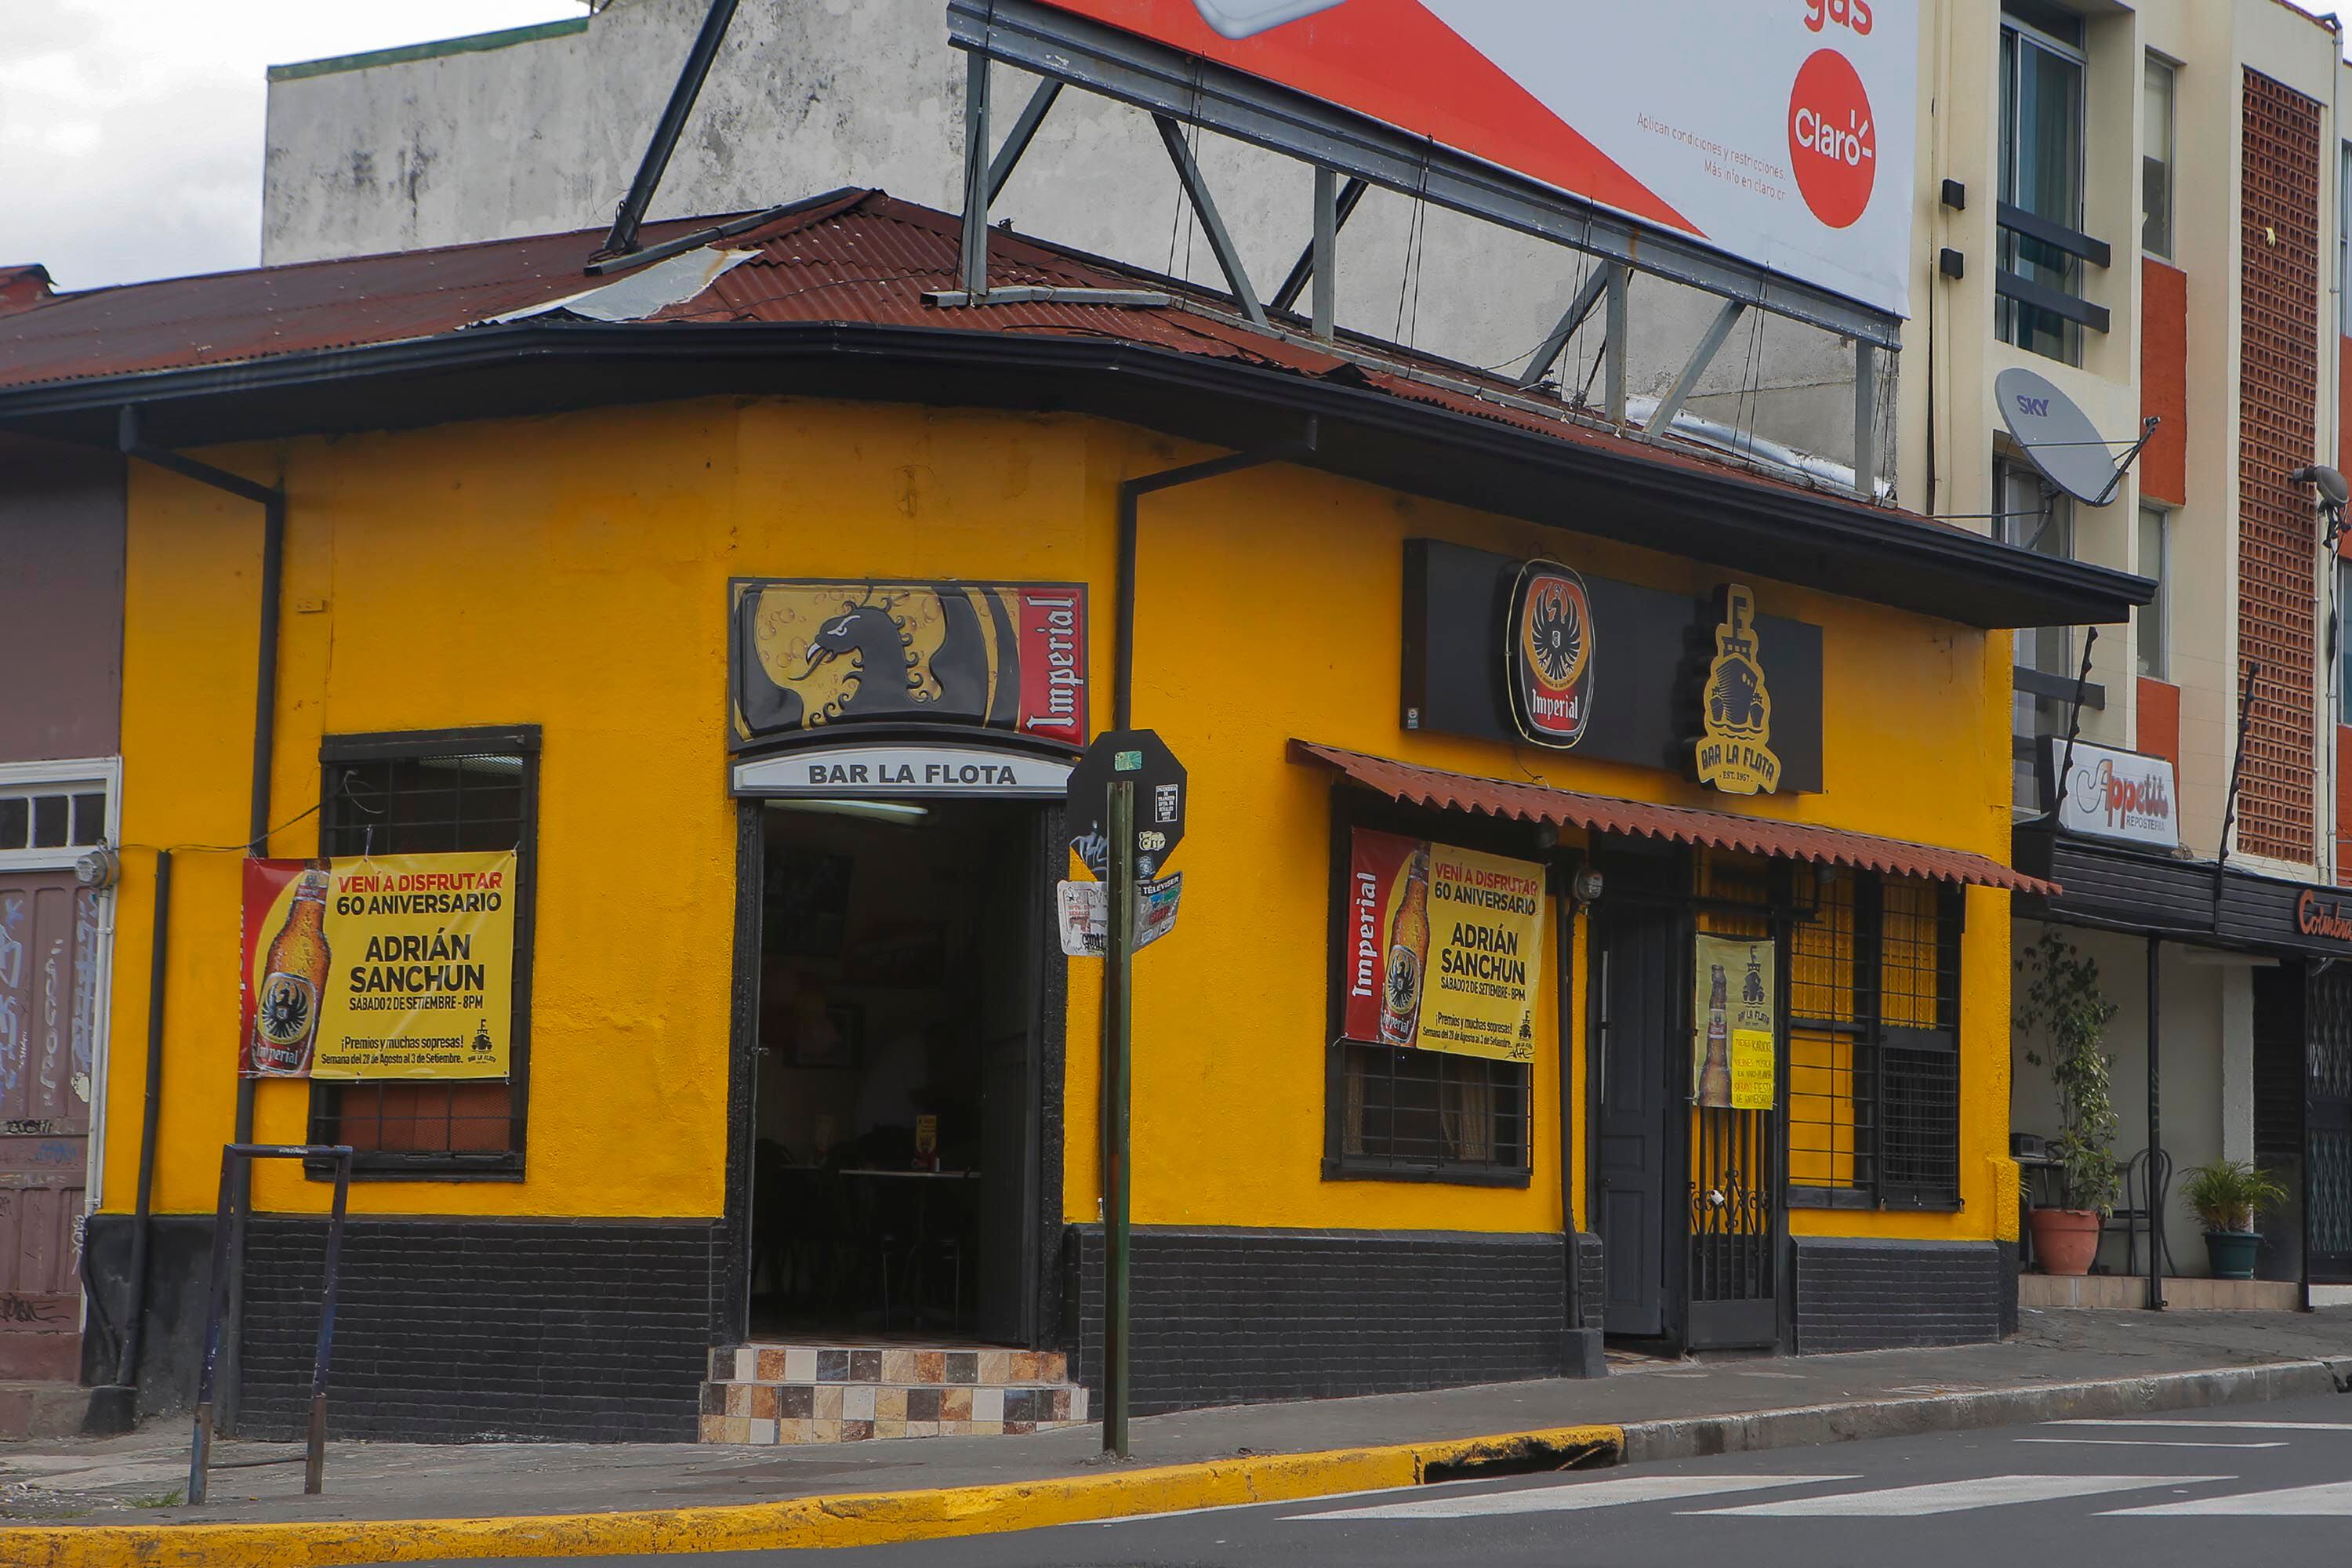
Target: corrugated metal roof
{"x":863,"y":258}
{"x":1678,"y":824}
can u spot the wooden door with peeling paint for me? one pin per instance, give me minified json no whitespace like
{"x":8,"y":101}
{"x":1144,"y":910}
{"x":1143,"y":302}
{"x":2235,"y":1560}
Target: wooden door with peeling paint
{"x":49,"y":1012}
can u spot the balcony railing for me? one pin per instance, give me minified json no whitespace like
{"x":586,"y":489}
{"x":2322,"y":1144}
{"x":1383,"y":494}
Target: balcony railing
{"x":2033,"y":230}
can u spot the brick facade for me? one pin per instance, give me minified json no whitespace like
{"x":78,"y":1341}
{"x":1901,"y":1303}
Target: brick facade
{"x":1231,"y":1317}
{"x":1857,"y":1295}
{"x":2279,"y":378}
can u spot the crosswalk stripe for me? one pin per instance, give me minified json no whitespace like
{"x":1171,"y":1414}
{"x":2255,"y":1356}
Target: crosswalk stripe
{"x":2330,"y":1500}
{"x":2146,"y":1443}
{"x":2225,"y":1425}
{"x":1951,"y":1497}
{"x":1565,"y":1497}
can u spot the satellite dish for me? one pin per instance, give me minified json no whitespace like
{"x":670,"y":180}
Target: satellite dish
{"x":2057,"y":437}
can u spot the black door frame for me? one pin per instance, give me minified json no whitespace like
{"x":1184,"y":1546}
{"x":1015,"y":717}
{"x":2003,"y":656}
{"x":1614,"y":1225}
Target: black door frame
{"x":730,"y":1302}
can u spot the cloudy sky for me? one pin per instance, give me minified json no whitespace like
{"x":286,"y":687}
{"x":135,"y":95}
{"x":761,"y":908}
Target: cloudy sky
{"x":130,"y":131}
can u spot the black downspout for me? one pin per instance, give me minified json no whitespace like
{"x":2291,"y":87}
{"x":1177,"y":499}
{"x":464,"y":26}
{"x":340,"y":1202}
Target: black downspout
{"x":272,"y":501}
{"x":690,"y":75}
{"x":114,"y":1408}
{"x":1130,"y":494}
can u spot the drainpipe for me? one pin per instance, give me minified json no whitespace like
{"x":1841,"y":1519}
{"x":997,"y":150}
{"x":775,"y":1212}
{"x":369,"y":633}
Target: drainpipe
{"x":271,"y":498}
{"x":1130,"y":494}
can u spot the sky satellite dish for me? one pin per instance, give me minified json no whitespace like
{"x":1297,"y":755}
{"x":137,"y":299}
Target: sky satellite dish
{"x":2058,"y":438}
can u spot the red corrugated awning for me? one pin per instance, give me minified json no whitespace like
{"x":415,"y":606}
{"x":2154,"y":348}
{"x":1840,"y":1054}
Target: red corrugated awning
{"x":1443,"y":791}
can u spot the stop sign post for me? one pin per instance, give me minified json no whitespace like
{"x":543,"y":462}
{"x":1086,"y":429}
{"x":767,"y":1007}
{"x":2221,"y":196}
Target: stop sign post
{"x":1126,"y":803}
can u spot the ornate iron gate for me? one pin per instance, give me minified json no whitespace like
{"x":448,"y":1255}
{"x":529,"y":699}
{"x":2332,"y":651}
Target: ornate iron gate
{"x":2327,"y":1127}
{"x":1731,"y":1270}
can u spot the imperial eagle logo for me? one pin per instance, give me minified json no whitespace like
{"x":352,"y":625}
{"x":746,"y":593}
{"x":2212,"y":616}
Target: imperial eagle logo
{"x":1552,"y":635}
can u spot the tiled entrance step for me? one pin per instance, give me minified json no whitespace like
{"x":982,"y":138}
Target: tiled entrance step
{"x":847,"y":1393}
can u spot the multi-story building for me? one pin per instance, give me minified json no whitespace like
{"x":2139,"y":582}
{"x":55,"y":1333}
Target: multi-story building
{"x":2142,"y":205}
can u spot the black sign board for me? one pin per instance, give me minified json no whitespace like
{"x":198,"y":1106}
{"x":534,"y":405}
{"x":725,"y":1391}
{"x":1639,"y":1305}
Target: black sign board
{"x":1647,"y":656}
{"x":1160,"y":799}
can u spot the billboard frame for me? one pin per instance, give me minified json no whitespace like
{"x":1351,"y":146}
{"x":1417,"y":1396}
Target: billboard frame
{"x":1062,"y":46}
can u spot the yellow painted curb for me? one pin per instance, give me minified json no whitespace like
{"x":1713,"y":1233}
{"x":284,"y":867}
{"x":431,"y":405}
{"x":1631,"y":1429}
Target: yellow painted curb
{"x":863,"y":1518}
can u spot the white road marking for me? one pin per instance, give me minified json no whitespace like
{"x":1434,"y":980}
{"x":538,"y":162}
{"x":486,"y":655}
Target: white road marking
{"x":2146,"y":1443}
{"x":1561,"y":1499}
{"x":2331,"y":1500}
{"x":2225,"y":1425}
{"x":1951,"y":1497}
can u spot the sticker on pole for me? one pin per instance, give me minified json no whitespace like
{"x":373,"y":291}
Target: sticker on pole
{"x":1085,"y":914}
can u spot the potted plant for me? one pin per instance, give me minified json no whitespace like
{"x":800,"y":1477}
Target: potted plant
{"x":2226,"y":1195}
{"x":2063,"y":1003}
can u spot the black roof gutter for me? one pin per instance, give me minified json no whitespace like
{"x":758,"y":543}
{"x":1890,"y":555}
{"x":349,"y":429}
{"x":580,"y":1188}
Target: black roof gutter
{"x":1618,"y":489}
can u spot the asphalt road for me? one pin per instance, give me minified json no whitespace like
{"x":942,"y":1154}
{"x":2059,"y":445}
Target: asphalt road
{"x":2252,"y":1484}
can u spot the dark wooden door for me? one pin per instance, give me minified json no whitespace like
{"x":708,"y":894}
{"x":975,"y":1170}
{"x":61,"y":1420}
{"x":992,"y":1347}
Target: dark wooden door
{"x":1012,"y":924}
{"x":49,"y":1013}
{"x":1635,"y":987}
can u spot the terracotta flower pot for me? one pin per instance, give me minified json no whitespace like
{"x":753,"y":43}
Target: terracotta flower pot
{"x":2066,"y":1240}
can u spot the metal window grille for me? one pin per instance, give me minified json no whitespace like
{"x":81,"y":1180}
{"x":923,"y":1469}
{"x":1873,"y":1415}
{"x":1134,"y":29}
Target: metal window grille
{"x":1833,"y":1069}
{"x":410,"y":804}
{"x":1409,"y":1108}
{"x":1918,"y":1054}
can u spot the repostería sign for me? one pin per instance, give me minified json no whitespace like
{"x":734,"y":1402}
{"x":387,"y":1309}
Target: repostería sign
{"x":1734,"y":750}
{"x":2108,"y":794}
{"x":1551,"y":654}
{"x":1733,"y":1026}
{"x":1780,"y":132}
{"x":391,"y":966}
{"x":809,"y":655}
{"x":1445,"y":948}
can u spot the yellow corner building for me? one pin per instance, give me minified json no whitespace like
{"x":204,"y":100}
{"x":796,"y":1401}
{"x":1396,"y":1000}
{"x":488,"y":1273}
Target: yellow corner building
{"x":1593,"y":914}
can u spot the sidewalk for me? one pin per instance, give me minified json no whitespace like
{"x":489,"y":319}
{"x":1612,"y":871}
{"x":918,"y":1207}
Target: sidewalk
{"x":2071,"y":1363}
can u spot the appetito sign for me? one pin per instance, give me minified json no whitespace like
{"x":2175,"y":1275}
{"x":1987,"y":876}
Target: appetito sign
{"x":2315,"y":916}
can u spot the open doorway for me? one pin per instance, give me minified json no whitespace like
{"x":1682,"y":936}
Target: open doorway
{"x":897,"y":1109}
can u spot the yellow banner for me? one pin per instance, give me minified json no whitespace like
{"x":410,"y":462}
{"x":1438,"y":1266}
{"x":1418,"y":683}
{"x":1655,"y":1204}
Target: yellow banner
{"x":1734,"y":1029}
{"x":1446,"y":948}
{"x":395,"y":966}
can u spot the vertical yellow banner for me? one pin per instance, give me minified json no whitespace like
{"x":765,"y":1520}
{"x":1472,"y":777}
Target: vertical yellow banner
{"x":1735,"y":1022}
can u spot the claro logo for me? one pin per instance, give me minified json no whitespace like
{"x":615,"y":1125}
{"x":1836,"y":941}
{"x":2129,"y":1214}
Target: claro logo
{"x":1832,"y":139}
{"x":2315,"y":916}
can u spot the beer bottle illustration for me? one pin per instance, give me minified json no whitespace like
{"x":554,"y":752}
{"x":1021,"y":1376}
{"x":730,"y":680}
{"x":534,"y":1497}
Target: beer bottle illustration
{"x":293,"y":983}
{"x":1715,"y":1073}
{"x":1408,"y":952}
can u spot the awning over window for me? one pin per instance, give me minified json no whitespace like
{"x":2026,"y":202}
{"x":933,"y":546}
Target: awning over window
{"x":1680,"y":824}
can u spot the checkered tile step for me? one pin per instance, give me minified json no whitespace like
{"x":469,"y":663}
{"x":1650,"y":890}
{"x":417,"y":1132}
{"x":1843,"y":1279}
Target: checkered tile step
{"x":828,"y":1393}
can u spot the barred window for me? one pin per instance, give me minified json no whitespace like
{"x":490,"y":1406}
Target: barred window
{"x":1406,"y":1109}
{"x":443,"y":792}
{"x":1873,"y":1045}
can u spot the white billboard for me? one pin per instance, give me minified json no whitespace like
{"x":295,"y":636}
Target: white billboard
{"x":2107,"y":793}
{"x":1779,"y":131}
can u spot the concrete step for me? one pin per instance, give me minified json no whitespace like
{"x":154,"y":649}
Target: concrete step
{"x":30,"y":1409}
{"x":2183,"y":1293}
{"x":793,"y":1394}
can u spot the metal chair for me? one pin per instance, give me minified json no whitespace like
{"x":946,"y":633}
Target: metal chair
{"x":2142,"y":1200}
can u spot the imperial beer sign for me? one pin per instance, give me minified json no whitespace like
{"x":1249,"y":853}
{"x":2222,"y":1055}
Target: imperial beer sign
{"x":1551,"y":649}
{"x":1443,"y":948}
{"x":811,"y":655}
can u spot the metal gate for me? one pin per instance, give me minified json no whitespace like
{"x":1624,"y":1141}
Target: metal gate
{"x":49,"y":1012}
{"x":2327,"y":1127}
{"x":1732,"y":1263}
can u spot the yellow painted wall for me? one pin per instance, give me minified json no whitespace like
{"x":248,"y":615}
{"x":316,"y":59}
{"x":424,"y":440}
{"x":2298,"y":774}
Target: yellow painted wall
{"x":570,"y":572}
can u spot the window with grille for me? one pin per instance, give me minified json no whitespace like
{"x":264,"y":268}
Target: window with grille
{"x":1399,"y":1112}
{"x":1873,"y":1045}
{"x":445,"y":792}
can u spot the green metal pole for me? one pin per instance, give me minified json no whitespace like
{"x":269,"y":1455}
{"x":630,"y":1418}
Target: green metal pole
{"x":1119,"y":1021}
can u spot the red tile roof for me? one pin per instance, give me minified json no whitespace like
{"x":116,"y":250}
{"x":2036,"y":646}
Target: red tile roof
{"x":1678,"y":823}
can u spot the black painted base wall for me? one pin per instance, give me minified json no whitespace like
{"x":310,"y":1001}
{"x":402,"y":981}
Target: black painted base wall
{"x":1235,"y":1317}
{"x":1857,"y":1295}
{"x":447,"y":1330}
